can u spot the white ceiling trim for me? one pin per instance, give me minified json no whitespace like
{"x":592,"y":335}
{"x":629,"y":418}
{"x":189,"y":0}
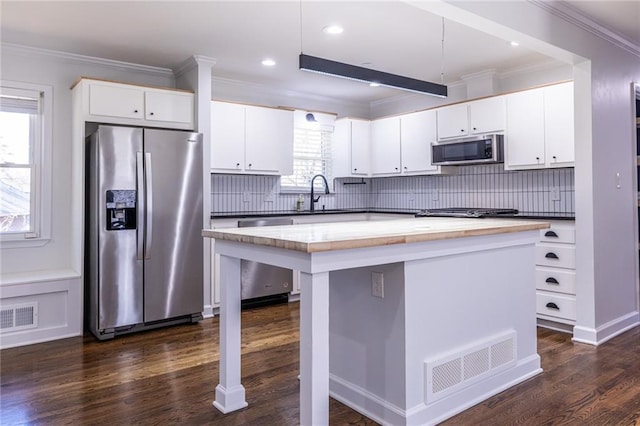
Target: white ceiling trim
{"x":73,"y":57}
{"x":576,"y":18}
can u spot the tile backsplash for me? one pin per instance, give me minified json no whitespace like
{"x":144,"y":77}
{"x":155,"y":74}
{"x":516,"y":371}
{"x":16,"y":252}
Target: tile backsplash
{"x":534,"y":191}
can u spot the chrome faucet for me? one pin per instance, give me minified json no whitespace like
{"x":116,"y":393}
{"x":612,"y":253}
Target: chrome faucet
{"x":314,"y":199}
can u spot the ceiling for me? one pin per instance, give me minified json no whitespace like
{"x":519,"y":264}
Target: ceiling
{"x":390,"y":36}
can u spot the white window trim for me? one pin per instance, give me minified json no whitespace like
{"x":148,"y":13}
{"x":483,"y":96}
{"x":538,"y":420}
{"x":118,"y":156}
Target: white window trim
{"x":42,"y":175}
{"x":325,"y":124}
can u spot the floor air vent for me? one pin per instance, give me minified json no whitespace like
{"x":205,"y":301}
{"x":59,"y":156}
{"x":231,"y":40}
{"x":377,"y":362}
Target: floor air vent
{"x":461,"y":368}
{"x":19,"y":317}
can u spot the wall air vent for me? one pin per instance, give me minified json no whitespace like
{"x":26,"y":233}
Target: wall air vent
{"x":468,"y":364}
{"x":18,"y":317}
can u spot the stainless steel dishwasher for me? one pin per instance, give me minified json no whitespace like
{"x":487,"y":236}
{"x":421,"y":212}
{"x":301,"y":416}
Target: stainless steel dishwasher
{"x":261,"y":283}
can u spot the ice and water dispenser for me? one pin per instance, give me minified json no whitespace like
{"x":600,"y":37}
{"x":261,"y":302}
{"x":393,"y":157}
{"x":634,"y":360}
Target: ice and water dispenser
{"x":121,"y":209}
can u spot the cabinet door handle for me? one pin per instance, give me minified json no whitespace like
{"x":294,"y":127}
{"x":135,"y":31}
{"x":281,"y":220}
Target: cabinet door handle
{"x":551,"y":280}
{"x":135,"y":111}
{"x":462,"y":130}
{"x":537,"y":158}
{"x":405,"y":167}
{"x":355,"y":170}
{"x":551,"y":234}
{"x":150,"y":113}
{"x":552,"y":305}
{"x":551,"y":256}
{"x":475,"y":128}
{"x":396,"y":168}
{"x":249,"y":164}
{"x":237,"y":164}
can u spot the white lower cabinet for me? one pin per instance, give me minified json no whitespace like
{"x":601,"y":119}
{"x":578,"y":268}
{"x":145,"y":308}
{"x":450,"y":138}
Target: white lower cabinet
{"x":556,"y":274}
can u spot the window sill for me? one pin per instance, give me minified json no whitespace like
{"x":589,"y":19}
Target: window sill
{"x":23,"y":242}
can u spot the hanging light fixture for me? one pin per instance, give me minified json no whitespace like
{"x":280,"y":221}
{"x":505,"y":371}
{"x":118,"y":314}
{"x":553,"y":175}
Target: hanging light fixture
{"x":367,"y":75}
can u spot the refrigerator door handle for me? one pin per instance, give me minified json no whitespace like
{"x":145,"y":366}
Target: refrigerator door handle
{"x":140,"y":207}
{"x":149,"y":205}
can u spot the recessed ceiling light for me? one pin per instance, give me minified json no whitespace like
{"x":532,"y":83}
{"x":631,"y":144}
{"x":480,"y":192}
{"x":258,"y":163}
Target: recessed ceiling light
{"x":515,"y":43}
{"x":268,"y":62}
{"x":333,"y":29}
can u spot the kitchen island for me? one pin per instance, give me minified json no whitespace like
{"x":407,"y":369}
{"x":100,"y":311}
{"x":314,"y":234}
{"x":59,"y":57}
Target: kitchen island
{"x":409,"y":321}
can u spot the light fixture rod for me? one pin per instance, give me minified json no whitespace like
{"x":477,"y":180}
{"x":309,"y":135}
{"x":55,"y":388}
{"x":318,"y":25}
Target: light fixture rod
{"x":353,"y":72}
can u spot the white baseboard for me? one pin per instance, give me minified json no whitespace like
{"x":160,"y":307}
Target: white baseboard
{"x":60,"y":306}
{"x":385,"y":413}
{"x":607,"y":331}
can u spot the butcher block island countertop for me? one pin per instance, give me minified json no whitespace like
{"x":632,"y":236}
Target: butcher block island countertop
{"x":452,"y":320}
{"x":318,"y":237}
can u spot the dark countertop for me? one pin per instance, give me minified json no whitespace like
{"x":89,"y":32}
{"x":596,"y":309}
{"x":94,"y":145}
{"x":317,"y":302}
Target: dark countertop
{"x":254,"y":214}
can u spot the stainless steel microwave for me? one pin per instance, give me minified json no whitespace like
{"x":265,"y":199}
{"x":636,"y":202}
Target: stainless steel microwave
{"x":474,"y":150}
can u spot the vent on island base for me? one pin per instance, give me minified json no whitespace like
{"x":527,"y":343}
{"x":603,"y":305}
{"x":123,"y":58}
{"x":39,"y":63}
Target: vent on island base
{"x":469,"y":364}
{"x":18,"y":317}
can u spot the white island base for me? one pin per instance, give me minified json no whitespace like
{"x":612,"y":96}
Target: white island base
{"x":456,"y":325}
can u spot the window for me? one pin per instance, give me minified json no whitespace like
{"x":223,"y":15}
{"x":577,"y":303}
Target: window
{"x":25,"y":184}
{"x":311,"y":150}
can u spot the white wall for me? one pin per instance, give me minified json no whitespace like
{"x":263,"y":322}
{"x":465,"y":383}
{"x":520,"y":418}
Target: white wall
{"x":60,"y":72}
{"x":49,"y":275}
{"x":603,"y":71}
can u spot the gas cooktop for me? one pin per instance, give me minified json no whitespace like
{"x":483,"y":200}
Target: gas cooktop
{"x":467,"y":212}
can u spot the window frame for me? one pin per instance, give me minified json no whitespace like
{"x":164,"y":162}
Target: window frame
{"x":324,"y":124}
{"x":41,"y":173}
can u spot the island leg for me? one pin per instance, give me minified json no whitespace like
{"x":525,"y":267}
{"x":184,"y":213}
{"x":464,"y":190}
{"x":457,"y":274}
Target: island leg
{"x":314,"y":349}
{"x":230,"y":395}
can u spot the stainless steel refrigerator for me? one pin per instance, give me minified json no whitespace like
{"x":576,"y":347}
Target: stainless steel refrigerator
{"x":144,"y":252}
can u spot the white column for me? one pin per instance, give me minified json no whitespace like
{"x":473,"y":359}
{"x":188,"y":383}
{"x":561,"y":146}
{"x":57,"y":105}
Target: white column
{"x":314,"y":349}
{"x":229,"y":392}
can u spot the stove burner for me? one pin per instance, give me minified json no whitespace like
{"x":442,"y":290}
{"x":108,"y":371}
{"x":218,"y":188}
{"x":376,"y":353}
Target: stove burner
{"x":466,"y":212}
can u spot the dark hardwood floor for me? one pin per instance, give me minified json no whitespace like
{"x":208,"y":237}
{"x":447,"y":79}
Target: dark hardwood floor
{"x":168,"y":376}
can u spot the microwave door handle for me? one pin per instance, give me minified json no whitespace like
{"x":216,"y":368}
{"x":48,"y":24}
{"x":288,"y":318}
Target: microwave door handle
{"x":140,"y":207}
{"x":149,"y":205}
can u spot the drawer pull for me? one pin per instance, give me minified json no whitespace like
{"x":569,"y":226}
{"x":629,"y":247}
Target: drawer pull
{"x":551,"y":234}
{"x":551,"y":256}
{"x":552,"y":280}
{"x":552,"y":305}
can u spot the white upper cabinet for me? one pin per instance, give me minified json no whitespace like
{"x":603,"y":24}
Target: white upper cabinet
{"x":385,"y":146}
{"x":540,"y":128}
{"x":471,"y":118}
{"x":249,"y":139}
{"x":120,"y":103}
{"x":168,"y":106}
{"x":417,"y":132}
{"x":453,"y":121}
{"x":524,"y":138}
{"x":487,"y":115}
{"x":559,"y":125}
{"x":227,"y":136}
{"x":351,"y":148}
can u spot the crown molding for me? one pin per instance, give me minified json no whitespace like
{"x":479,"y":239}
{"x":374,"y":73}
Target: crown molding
{"x":193,"y":62}
{"x":18,"y":49}
{"x":573,"y":16}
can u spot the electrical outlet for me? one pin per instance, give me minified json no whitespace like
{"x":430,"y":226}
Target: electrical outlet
{"x":377,"y":284}
{"x":555,"y":193}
